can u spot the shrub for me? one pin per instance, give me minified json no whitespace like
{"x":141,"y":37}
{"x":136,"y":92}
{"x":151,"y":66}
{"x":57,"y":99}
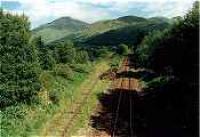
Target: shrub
{"x":65,"y":53}
{"x":54,"y":96}
{"x":63,"y":70}
{"x":46,"y":80}
{"x":45,"y":55}
{"x":102,"y":52}
{"x":123,"y":49}
{"x":82,"y":57}
{"x":158,"y":82}
{"x":19,"y":76}
{"x":81,"y":68}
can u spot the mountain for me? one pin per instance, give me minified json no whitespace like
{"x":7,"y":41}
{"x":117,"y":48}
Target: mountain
{"x":107,"y":25}
{"x":128,"y":29}
{"x":110,"y":33}
{"x":130,"y":35}
{"x":131,"y":19}
{"x":67,"y":26}
{"x":160,"y":19}
{"x":59,"y":28}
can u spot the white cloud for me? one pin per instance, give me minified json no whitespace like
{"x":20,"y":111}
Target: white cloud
{"x":42,"y":11}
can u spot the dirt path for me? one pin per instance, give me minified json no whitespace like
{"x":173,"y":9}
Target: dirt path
{"x":120,"y":98}
{"x":106,"y":120}
{"x":127,"y":110}
{"x":63,"y":120}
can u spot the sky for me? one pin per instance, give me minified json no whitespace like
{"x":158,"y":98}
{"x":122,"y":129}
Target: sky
{"x":44,"y":11}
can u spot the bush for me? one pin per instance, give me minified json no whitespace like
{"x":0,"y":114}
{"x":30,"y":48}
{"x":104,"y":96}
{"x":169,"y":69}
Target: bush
{"x":63,"y":70}
{"x":123,"y":49}
{"x":65,"y":53}
{"x":81,"y":68}
{"x":148,"y":45}
{"x":158,"y":82}
{"x":47,"y":80}
{"x":54,"y":96}
{"x":45,"y":55}
{"x":82,"y":57}
{"x":19,"y":75}
{"x":102,"y":52}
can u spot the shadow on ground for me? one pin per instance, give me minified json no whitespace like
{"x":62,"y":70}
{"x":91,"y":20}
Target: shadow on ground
{"x":168,"y":111}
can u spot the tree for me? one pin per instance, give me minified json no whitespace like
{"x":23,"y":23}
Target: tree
{"x":123,"y":49}
{"x":63,"y":70}
{"x":148,"y":45}
{"x":175,"y":48}
{"x":82,"y":57}
{"x":65,"y":53}
{"x":19,"y":75}
{"x":47,"y":62}
{"x":103,"y":52}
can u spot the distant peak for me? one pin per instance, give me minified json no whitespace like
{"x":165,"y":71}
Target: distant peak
{"x":130,"y":18}
{"x":65,"y":17}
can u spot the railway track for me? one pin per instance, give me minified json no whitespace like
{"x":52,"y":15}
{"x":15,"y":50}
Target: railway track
{"x":125,"y":83}
{"x":122,"y":84}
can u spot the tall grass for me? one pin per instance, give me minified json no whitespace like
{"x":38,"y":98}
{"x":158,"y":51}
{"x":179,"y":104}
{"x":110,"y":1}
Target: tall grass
{"x":24,"y":120}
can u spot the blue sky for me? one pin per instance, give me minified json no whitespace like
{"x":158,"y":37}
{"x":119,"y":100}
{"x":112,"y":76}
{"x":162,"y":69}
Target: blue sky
{"x":43,"y":11}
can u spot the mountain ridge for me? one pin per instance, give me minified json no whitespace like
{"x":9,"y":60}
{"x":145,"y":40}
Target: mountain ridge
{"x":59,"y":28}
{"x":66,"y":27}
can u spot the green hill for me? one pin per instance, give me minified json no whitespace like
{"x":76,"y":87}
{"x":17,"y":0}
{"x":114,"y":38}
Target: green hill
{"x":160,"y":19}
{"x":59,"y":28}
{"x":131,"y":19}
{"x":128,"y":29}
{"x":104,"y":26}
{"x":130,"y":35}
{"x":110,"y":33}
{"x":67,"y":27}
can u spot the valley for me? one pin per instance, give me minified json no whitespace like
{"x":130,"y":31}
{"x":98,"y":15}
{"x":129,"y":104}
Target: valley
{"x":122,"y":76}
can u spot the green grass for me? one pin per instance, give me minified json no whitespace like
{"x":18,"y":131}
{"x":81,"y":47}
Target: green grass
{"x":26,"y":120}
{"x":61,"y":117}
{"x":155,"y":82}
{"x":88,"y":108}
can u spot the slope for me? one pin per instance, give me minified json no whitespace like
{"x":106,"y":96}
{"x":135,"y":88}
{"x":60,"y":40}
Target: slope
{"x":129,"y":30}
{"x":59,"y":28}
{"x":130,"y":35}
{"x":104,"y":26}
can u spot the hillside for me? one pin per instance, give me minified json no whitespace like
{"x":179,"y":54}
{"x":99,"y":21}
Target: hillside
{"x":128,"y":29}
{"x":59,"y":28}
{"x":110,"y":33}
{"x":130,"y":35}
{"x":104,"y":26}
{"x":72,"y":28}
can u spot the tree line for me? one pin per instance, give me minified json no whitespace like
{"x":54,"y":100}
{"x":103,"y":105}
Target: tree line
{"x":173,"y":55}
{"x":23,"y":58}
{"x":175,"y":50}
